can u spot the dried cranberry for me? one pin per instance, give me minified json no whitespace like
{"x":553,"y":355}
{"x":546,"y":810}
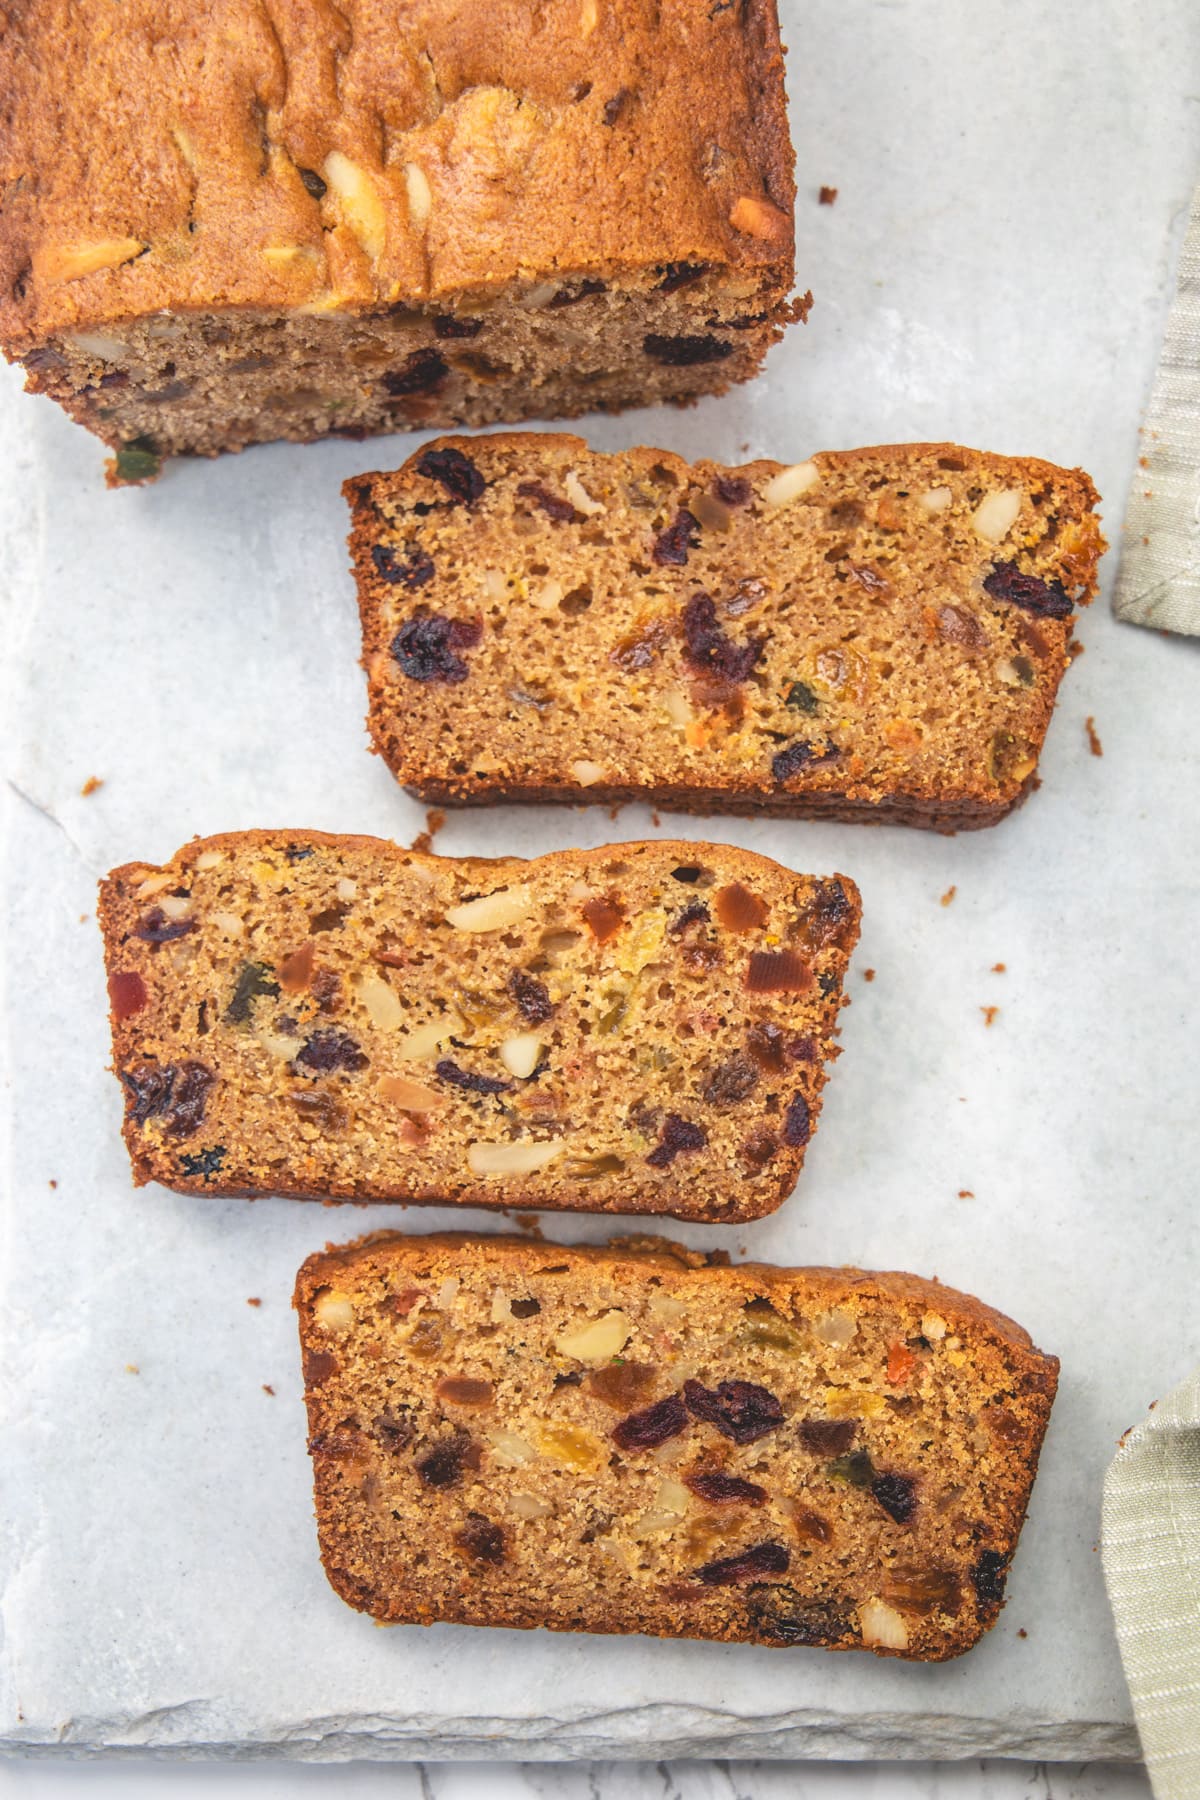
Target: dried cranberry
{"x":455,"y":472}
{"x":414,"y":571}
{"x":677,"y":1135}
{"x":647,"y":1429}
{"x":683,"y":352}
{"x":444,"y":1464}
{"x":466,"y":1078}
{"x":741,"y":1410}
{"x":446,"y":325}
{"x":747,"y":1565}
{"x":672,"y":544}
{"x":126,"y":993}
{"x":799,"y":755}
{"x":312,"y":182}
{"x":694,"y":913}
{"x":532,"y":997}
{"x":254,"y":980}
{"x":572,"y":296}
{"x":204,"y":1162}
{"x":480,"y":1539}
{"x":676,"y":275}
{"x":828,"y":1437}
{"x":730,"y":1082}
{"x":708,"y":649}
{"x":319,"y":1365}
{"x":422,"y":372}
{"x":989,"y":1576}
{"x":329,"y":1050}
{"x":797,"y":1123}
{"x":734,"y":490}
{"x":553,"y":505}
{"x":176,"y":1093}
{"x":1045,"y":599}
{"x":156,"y":928}
{"x":725,"y":1490}
{"x":425,"y":647}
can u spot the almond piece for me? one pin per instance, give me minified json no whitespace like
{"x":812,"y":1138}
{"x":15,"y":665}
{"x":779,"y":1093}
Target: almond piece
{"x":492,"y":912}
{"x":596,"y":1342}
{"x":332,"y":1310}
{"x":996,"y":514}
{"x":881,"y":1624}
{"x":789,"y":484}
{"x":511,"y":1159}
{"x":409,"y":1096}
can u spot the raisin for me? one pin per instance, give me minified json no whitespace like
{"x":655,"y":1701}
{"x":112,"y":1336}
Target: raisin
{"x":684,"y":352}
{"x":825,"y":918}
{"x":572,"y":296}
{"x":708,"y":649}
{"x":647,"y":1429}
{"x":730,"y":1082}
{"x":777,"y":972}
{"x":785,"y":1617}
{"x":425,"y":647}
{"x":759,"y":1148}
{"x":989,"y":1576}
{"x":687,"y":872}
{"x":676,"y":275}
{"x":176,"y":1093}
{"x":801,"y":698}
{"x":449,"y":1071}
{"x":922,"y":1590}
{"x":322,"y":1110}
{"x":454,"y":471}
{"x":619,"y":1385}
{"x":958,"y":626}
{"x":694,"y":913}
{"x":156,"y":928}
{"x":298,"y":852}
{"x":480,"y":1539}
{"x":532,"y":997}
{"x":741,"y":1410}
{"x":828,"y":1437}
{"x":446,"y":325}
{"x":126,"y":994}
{"x":204,"y":1162}
{"x":797,"y":1123}
{"x":326,"y":989}
{"x":422,"y":372}
{"x":328,"y":1050}
{"x":738,"y":909}
{"x":856,"y":1469}
{"x":799,"y":755}
{"x":254,"y":980}
{"x":464,"y":1390}
{"x":678,"y":1135}
{"x":394,"y":1428}
{"x":1045,"y":599}
{"x":319,"y":1365}
{"x":443,"y":1465}
{"x":897,"y":1495}
{"x":553,"y":505}
{"x":747,"y":1565}
{"x":414,"y":571}
{"x":812,"y":1525}
{"x":525,"y":1309}
{"x":604,"y":918}
{"x":725,"y":1490}
{"x":313,"y":182}
{"x":672,"y":544}
{"x":734,"y":490}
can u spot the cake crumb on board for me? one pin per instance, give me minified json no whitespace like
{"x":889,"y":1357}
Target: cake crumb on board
{"x":990,"y":1014}
{"x":826,"y":196}
{"x":1093,"y":736}
{"x":948,"y":896}
{"x":92,"y":785}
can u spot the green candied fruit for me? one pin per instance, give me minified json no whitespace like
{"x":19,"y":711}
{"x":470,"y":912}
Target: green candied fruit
{"x":801,"y":697}
{"x":763,"y":1326}
{"x":855,"y":1468}
{"x":138,"y":460}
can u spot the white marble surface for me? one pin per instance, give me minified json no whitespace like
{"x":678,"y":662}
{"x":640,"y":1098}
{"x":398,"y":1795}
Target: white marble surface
{"x":994,"y":270}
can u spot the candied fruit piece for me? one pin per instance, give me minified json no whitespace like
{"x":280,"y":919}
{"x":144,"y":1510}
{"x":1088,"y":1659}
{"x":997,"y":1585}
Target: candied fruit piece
{"x":604,"y":917}
{"x":777,"y":972}
{"x":738,"y":909}
{"x":920,"y":1590}
{"x":811,"y":1525}
{"x":619,"y":1385}
{"x":740,"y":1410}
{"x":901,"y":1361}
{"x":454,"y":471}
{"x":828,"y":1437}
{"x":826,"y":918}
{"x":678,"y":1135}
{"x":322,"y":1110}
{"x":126,"y":993}
{"x":720,"y":1489}
{"x":856,"y":1469}
{"x":647,"y":1429}
{"x":800,"y":698}
{"x":746,"y":1565}
{"x":425,"y":648}
{"x":156,"y":928}
{"x":464,"y":1390}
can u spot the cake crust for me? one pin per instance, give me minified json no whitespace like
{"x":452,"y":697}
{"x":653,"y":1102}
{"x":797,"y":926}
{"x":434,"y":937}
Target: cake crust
{"x":873,"y":635}
{"x":638,"y":1437}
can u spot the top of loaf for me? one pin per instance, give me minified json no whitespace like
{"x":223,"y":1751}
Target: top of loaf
{"x":288,"y":154}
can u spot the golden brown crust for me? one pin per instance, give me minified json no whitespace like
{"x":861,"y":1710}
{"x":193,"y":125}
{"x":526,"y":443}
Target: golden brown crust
{"x":461,"y":1425}
{"x":870,"y":594}
{"x":248,"y":1071}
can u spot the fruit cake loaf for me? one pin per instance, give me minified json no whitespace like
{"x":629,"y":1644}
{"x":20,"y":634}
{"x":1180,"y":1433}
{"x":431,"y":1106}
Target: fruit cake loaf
{"x":876,"y":634}
{"x":641,"y":1028}
{"x":632,"y":1439}
{"x":224,"y":224}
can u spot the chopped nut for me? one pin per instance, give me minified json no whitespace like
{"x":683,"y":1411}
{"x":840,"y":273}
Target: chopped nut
{"x":383,"y":1008}
{"x":882,"y":1625}
{"x":528,"y":1506}
{"x":587,"y":774}
{"x":789,"y":484}
{"x":510,"y":1450}
{"x":333,"y":1310}
{"x":996,"y":514}
{"x":492,"y":912}
{"x":936,"y":499}
{"x":759,"y":219}
{"x":933,"y":1327}
{"x":420,"y":198}
{"x":1016,"y":671}
{"x":359,"y":199}
{"x":410,"y":1096}
{"x":596,"y":1341}
{"x":678,"y":708}
{"x":422,"y":1044}
{"x":68,"y":262}
{"x":511,"y":1159}
{"x":540,"y":296}
{"x":520,"y":1053}
{"x":176,"y":906}
{"x":579,"y":497}
{"x":589,"y":16}
{"x":548,"y":595}
{"x":835,"y":1328}
{"x":666,"y":1307}
{"x":670,"y":1506}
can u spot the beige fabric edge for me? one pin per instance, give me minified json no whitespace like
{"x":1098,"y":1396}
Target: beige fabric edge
{"x":1158,"y":583}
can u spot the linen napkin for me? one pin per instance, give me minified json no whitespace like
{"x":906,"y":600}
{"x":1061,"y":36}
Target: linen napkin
{"x":1158,"y":582}
{"x":1150,"y":1543}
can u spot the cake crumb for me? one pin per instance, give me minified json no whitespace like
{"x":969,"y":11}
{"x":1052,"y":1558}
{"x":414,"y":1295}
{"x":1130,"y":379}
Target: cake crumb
{"x":966,"y":1193}
{"x":435,"y":818}
{"x":1021,"y":1632}
{"x":999,"y":968}
{"x":948,"y":896}
{"x":53,"y":1183}
{"x":1093,"y":736}
{"x":526,"y":1221}
{"x":827,"y":196}
{"x":268,"y":1389}
{"x":132,"y":1369}
{"x":868,"y":974}
{"x":91,"y":786}
{"x":254,"y":1300}
{"x":989,"y":1014}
